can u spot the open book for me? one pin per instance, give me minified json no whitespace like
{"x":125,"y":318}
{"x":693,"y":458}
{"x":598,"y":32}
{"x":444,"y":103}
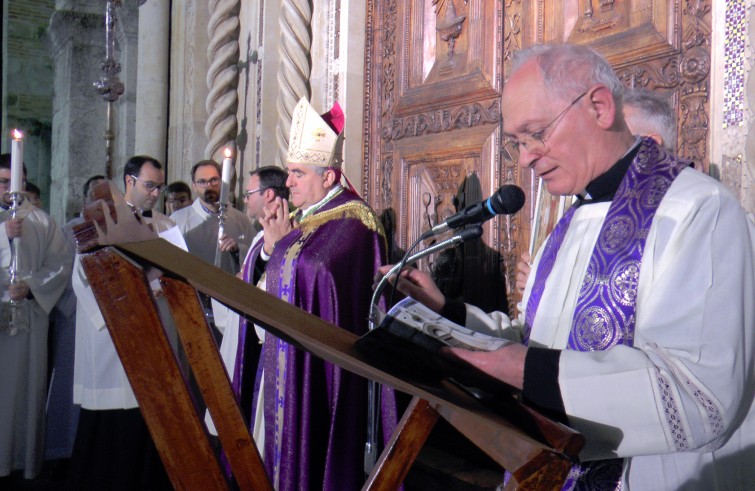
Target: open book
{"x":412,"y":321}
{"x":409,"y":338}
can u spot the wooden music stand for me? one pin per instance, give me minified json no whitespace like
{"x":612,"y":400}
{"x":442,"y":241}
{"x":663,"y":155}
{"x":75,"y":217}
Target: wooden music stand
{"x":538,"y":452}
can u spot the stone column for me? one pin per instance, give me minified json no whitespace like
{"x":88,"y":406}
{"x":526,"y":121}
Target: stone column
{"x":78,"y":151}
{"x":127,"y":54}
{"x":188,"y":89}
{"x":152,"y":80}
{"x":294,"y":69}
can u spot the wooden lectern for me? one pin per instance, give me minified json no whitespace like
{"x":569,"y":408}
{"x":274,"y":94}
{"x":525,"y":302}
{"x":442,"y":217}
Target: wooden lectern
{"x":537,"y":451}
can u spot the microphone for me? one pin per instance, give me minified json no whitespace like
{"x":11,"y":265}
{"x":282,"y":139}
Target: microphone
{"x":506,"y":201}
{"x":459,"y":237}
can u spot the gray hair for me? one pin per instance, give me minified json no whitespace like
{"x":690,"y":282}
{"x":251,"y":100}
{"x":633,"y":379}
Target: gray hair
{"x":570,"y":69}
{"x":656,"y":115}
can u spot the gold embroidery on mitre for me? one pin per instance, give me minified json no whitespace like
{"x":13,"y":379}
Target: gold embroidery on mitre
{"x":311,"y":141}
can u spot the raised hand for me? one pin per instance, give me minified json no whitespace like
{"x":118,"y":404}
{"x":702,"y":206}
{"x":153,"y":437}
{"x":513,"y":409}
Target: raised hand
{"x":276,"y":223}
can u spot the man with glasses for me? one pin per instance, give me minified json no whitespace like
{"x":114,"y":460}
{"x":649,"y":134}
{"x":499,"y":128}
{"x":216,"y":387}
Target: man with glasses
{"x":647,"y":114}
{"x":113,"y":448}
{"x":43,"y":269}
{"x":638,"y":318}
{"x":199,"y":222}
{"x":262,"y":188}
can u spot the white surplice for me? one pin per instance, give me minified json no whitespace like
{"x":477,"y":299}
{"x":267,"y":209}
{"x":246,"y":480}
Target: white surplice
{"x":100,"y":381}
{"x":678,"y":404}
{"x":44,"y":265}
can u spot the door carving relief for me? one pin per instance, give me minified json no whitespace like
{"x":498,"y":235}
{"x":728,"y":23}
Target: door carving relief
{"x":434,"y":72}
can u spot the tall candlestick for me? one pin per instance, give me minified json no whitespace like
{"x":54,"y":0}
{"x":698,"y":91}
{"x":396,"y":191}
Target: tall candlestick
{"x":16,"y":162}
{"x":225,"y":188}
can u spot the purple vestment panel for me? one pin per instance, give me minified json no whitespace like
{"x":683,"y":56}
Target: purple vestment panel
{"x":315,"y":412}
{"x":605,"y":311}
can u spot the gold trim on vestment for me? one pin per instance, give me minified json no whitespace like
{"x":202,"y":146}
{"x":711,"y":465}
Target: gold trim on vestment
{"x":353,"y":209}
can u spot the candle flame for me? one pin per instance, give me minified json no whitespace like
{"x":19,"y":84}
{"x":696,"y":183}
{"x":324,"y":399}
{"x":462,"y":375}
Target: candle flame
{"x":17,"y":135}
{"x":228,"y":152}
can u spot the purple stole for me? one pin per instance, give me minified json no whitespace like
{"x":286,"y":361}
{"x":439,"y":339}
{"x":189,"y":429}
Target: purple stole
{"x":605,"y":311}
{"x":247,"y":271}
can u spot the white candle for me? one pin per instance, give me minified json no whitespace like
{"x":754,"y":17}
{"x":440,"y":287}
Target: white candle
{"x":225,"y":188}
{"x":16,"y":162}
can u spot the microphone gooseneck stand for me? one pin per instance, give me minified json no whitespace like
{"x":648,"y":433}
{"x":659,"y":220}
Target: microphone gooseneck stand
{"x":373,"y":389}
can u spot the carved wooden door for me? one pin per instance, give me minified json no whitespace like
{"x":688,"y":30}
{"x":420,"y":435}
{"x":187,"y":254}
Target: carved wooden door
{"x":434,"y":73}
{"x":432,"y":131}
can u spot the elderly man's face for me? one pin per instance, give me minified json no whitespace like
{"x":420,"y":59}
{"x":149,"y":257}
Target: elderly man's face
{"x":529,"y":110}
{"x":306,"y":186}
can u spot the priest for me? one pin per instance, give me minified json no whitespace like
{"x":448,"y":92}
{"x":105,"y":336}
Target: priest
{"x":44,"y":267}
{"x":311,"y":415}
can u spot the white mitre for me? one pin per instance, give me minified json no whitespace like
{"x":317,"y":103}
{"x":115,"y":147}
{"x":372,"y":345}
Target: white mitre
{"x":314,"y":139}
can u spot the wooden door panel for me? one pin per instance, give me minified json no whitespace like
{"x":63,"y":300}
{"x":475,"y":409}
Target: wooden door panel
{"x":431,"y":145}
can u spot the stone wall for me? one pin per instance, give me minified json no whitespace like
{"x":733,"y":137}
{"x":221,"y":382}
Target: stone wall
{"x":27,"y":85}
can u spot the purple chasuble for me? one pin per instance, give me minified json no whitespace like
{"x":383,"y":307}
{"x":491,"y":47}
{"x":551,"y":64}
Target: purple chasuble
{"x":604,"y":315}
{"x":315,"y":412}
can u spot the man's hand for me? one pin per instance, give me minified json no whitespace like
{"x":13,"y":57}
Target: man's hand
{"x":416,"y":284}
{"x":18,"y":291}
{"x":522,"y":272}
{"x":505,"y":364}
{"x":276,"y":223}
{"x":13,"y":227}
{"x":227,"y":244}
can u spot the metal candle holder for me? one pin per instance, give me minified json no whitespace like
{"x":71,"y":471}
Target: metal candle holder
{"x":13,"y":320}
{"x":221,"y":231}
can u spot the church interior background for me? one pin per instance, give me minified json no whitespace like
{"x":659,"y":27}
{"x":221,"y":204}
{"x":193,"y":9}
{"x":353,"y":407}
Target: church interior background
{"x":92,"y":82}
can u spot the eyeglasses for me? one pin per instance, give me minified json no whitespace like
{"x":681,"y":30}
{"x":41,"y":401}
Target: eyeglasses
{"x":535,"y":142}
{"x":151,"y":186}
{"x":203,"y":183}
{"x":248,"y":194}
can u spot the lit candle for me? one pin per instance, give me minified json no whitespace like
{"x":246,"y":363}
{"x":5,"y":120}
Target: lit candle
{"x":225,"y":188}
{"x":16,"y":162}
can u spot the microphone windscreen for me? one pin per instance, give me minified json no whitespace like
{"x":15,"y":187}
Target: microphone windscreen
{"x":507,"y":200}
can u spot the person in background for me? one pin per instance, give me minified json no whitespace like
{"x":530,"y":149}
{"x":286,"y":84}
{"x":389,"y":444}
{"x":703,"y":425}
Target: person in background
{"x":638,"y":323}
{"x":62,"y":414}
{"x":34,"y":195}
{"x":199,"y":222}
{"x":113,"y":448}
{"x":263,"y":186}
{"x":177,"y":196}
{"x":43,"y":268}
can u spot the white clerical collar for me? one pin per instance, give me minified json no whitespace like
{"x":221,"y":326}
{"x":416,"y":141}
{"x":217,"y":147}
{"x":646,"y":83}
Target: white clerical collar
{"x":313,"y":208}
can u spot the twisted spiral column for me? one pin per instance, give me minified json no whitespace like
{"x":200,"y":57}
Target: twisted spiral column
{"x":295,"y":69}
{"x":222,"y":75}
